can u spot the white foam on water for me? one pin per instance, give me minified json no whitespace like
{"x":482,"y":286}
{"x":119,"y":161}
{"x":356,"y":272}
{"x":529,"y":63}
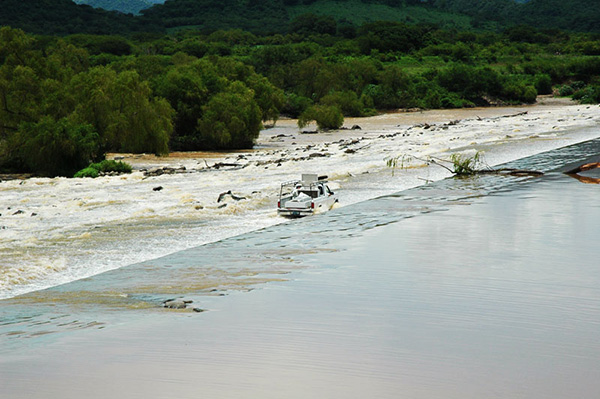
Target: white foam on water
{"x":57,"y":230}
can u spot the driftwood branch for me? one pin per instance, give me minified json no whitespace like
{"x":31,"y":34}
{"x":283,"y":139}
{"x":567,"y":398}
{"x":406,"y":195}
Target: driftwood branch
{"x":574,"y":173}
{"x":487,"y":170}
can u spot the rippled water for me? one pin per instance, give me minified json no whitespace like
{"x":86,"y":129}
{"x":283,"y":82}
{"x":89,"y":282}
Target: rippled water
{"x":465,"y":288}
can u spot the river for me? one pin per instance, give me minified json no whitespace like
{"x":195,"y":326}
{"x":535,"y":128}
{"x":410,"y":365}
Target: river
{"x":58,"y":230}
{"x":461,"y":288}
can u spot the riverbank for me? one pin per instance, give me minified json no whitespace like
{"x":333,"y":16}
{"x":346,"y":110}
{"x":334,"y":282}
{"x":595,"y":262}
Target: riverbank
{"x":465,"y":288}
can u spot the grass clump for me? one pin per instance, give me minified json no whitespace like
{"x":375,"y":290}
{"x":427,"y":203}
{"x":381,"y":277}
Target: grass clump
{"x":106,"y":166}
{"x":464,"y":165}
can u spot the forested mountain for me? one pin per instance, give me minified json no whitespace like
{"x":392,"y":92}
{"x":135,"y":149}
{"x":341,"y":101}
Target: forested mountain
{"x":124,"y":6}
{"x":274,"y":16}
{"x":574,"y":15}
{"x":61,"y":17}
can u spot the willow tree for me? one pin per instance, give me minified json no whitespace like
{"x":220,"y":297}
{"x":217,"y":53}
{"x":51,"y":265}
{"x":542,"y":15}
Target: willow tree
{"x":231,"y":119}
{"x":219,"y":103}
{"x":122,"y":110}
{"x":56,"y":148}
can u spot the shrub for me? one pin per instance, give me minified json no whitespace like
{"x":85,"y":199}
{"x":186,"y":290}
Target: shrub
{"x":543,"y":84}
{"x":295,"y":105}
{"x":326,"y":116}
{"x":104,"y":166}
{"x":55,"y":148}
{"x":588,"y":95}
{"x":87,"y":172}
{"x":516,"y":91}
{"x":565,"y":91}
{"x":112,"y":166}
{"x":347,"y":101}
{"x":230,"y":120}
{"x":529,"y":95}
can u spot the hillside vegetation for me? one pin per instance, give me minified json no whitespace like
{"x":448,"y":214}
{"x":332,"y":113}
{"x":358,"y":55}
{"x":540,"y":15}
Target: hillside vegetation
{"x":66,"y":100}
{"x":273,"y":16}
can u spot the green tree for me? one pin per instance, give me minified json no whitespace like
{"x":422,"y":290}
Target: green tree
{"x":55,"y":148}
{"x":543,"y":84}
{"x":269,"y":98}
{"x":123,"y":111}
{"x":188,"y":88}
{"x":231,"y":119}
{"x":347,"y":101}
{"x":326,"y":116}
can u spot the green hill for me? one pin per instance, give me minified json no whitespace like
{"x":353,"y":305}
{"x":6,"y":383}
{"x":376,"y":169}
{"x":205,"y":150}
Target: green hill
{"x":124,"y":6}
{"x":274,"y":16}
{"x":572,"y":15}
{"x":62,"y":17}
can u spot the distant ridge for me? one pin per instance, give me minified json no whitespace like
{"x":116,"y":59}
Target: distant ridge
{"x":61,"y":17}
{"x":124,"y":6}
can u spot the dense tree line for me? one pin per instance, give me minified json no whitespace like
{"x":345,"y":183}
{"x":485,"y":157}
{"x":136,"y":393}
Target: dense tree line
{"x":65,"y":102}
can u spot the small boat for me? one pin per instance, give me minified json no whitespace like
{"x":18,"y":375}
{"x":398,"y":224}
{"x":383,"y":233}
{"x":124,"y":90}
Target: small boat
{"x":306,"y":196}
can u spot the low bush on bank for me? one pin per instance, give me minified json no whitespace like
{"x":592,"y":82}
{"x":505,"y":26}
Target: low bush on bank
{"x":326,"y":116}
{"x":588,"y":95}
{"x":106,"y":166}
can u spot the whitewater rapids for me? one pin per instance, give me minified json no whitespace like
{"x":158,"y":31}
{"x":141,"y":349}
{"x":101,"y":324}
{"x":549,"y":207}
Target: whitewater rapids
{"x":56,"y":230}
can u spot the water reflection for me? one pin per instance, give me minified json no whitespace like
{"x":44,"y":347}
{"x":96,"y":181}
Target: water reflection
{"x":587,"y":172}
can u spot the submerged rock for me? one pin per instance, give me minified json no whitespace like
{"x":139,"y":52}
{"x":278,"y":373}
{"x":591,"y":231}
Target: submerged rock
{"x":176,"y":303}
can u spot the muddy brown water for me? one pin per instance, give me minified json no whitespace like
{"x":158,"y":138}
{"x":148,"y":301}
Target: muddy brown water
{"x":466,"y":288}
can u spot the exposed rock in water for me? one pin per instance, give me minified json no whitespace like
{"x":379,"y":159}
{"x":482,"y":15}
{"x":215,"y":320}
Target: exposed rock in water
{"x":220,"y":165}
{"x":167,"y":170}
{"x":176,"y":303}
{"x":229,"y":193}
{"x":319,"y":154}
{"x":157,"y":188}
